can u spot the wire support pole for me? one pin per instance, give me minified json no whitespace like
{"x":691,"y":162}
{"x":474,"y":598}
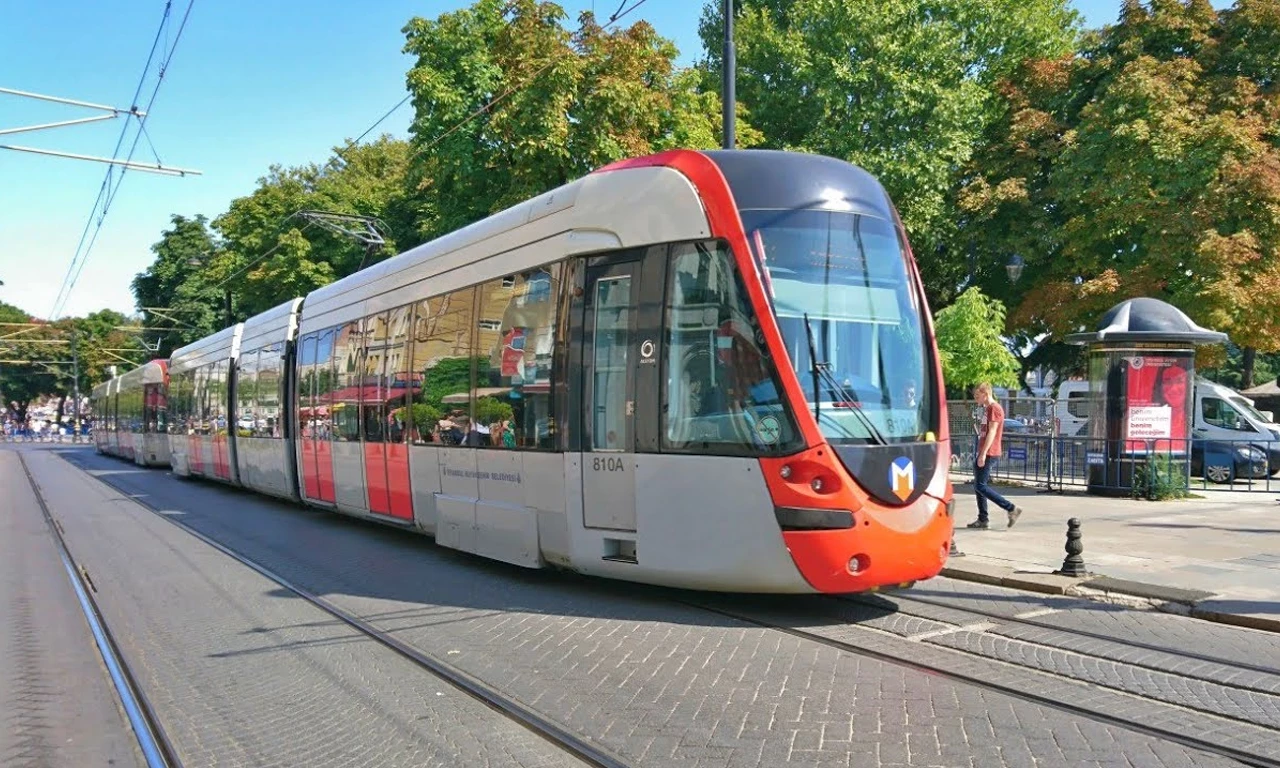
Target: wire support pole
{"x":149,"y":168}
{"x":59,"y":124}
{"x":729,"y":99}
{"x":72,"y":102}
{"x":75,"y":386}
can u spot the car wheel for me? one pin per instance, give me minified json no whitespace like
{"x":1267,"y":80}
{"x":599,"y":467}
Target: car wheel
{"x":1217,"y":473}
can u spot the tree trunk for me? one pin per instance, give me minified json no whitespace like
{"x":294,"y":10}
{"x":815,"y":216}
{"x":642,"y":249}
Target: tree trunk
{"x":1246,"y":379}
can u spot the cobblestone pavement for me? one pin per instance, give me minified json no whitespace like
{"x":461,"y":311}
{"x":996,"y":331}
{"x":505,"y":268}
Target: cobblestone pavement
{"x":57,"y":705}
{"x":663,"y":683}
{"x":242,"y":674}
{"x":1147,"y":628}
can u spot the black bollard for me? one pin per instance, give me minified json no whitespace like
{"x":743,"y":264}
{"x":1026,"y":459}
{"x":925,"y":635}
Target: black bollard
{"x":1073,"y":565}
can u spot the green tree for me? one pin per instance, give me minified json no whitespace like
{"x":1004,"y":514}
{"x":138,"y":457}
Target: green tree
{"x":902,"y":88}
{"x":969,"y":341}
{"x":563,"y":103}
{"x":1147,"y":165}
{"x":268,"y":257}
{"x":179,"y":286}
{"x":20,"y":383}
{"x":45,"y":355}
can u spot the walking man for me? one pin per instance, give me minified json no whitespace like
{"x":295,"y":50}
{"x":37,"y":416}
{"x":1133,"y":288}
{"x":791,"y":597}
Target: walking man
{"x":990,"y":428}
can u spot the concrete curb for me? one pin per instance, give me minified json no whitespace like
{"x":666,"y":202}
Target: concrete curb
{"x":1185,"y":602}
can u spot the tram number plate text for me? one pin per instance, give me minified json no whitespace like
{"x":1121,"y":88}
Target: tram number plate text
{"x":607,"y":464}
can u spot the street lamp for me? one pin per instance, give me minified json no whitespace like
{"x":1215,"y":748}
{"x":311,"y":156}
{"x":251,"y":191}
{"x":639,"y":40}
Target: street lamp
{"x":1014,"y":267}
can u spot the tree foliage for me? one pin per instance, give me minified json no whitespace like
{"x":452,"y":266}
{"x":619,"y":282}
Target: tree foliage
{"x":45,"y":354}
{"x":902,"y":88}
{"x":564,"y":103}
{"x":179,"y":290}
{"x":266,"y":257}
{"x":969,"y":341}
{"x":1148,"y":165}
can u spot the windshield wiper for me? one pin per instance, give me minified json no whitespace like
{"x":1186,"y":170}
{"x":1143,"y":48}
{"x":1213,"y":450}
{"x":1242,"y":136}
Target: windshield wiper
{"x":822,"y":371}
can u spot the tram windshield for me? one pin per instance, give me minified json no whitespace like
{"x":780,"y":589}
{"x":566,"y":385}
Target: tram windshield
{"x":850,"y":315}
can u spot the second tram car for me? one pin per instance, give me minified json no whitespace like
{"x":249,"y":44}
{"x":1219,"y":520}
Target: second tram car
{"x":131,"y":410}
{"x":712,"y":370}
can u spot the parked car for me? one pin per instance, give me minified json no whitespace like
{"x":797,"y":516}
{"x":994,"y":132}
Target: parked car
{"x":1225,"y":462}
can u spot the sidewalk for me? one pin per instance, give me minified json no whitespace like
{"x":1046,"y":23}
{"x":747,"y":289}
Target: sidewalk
{"x":1216,"y":557}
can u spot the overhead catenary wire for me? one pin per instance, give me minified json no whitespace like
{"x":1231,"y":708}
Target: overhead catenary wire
{"x":108,"y":191}
{"x":102,"y":190}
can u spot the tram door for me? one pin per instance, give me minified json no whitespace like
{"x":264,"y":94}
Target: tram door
{"x":609,"y":359}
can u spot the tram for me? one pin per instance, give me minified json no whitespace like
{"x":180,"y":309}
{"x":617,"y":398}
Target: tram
{"x":131,"y":413}
{"x":712,"y":370}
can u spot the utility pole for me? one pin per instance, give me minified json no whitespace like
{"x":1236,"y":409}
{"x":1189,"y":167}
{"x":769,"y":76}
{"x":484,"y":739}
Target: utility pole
{"x":728,"y":98}
{"x":75,"y":388}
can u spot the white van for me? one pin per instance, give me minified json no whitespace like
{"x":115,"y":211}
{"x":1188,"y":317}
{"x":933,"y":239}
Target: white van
{"x":1220,"y":413}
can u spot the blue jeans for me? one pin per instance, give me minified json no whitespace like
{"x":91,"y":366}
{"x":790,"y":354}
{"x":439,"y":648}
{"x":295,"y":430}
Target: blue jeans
{"x":981,"y":480}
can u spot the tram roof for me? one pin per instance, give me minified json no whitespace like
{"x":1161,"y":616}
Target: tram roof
{"x":775,"y":180}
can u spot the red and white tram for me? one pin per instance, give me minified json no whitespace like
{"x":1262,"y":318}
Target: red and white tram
{"x":712,"y":370}
{"x":131,"y":415}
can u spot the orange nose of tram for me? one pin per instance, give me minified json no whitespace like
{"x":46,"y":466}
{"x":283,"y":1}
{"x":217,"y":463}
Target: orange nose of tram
{"x":845,"y":539}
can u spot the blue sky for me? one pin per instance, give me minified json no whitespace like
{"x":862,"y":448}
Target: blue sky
{"x":250,"y":84}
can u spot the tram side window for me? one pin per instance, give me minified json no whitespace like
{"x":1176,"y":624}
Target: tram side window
{"x":306,"y":382}
{"x":720,"y":395}
{"x":443,"y":344}
{"x":326,"y":382}
{"x":346,"y":393}
{"x":178,"y":392}
{"x":215,"y":395}
{"x":402,"y":385}
{"x":371,"y":389}
{"x":199,"y":409}
{"x":267,"y":395}
{"x":246,"y":387}
{"x":218,"y":397}
{"x":154,"y":408}
{"x":513,"y":381}
{"x":188,"y":424}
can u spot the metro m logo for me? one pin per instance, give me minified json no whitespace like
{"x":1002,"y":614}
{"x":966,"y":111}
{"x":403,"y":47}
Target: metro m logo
{"x":902,"y":477}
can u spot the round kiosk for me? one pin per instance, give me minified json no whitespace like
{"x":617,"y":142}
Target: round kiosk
{"x":1141,"y":392}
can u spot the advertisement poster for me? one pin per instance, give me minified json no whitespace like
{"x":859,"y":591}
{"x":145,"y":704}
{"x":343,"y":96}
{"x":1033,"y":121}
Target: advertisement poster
{"x":1158,"y":390}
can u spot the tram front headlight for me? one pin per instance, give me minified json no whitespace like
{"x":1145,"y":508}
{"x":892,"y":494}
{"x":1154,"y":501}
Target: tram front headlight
{"x":816,"y":484}
{"x":785,"y":472}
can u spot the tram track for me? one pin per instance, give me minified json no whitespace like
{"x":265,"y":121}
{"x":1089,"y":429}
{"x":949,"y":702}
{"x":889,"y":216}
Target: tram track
{"x":1211,"y":739}
{"x":909,"y":605}
{"x":975,"y":678}
{"x":581,"y":748}
{"x":157,"y":750}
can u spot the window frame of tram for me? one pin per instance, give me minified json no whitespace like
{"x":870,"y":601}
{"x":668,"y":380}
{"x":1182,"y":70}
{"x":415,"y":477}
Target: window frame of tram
{"x":737,"y":367}
{"x":499,"y":326}
{"x":725,"y":359}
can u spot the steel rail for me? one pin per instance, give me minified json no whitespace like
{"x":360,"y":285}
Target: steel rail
{"x":559,"y":735}
{"x":156,"y":748}
{"x":1248,"y":758}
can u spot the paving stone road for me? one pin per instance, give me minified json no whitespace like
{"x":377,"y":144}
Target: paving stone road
{"x":656,"y":681}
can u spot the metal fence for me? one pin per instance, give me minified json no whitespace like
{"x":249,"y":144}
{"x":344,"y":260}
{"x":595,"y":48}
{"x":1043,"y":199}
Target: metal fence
{"x":1029,"y":425}
{"x":1057,"y":462}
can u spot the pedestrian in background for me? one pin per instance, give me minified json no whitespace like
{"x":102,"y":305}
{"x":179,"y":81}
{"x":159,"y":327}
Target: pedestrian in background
{"x":990,"y":429}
